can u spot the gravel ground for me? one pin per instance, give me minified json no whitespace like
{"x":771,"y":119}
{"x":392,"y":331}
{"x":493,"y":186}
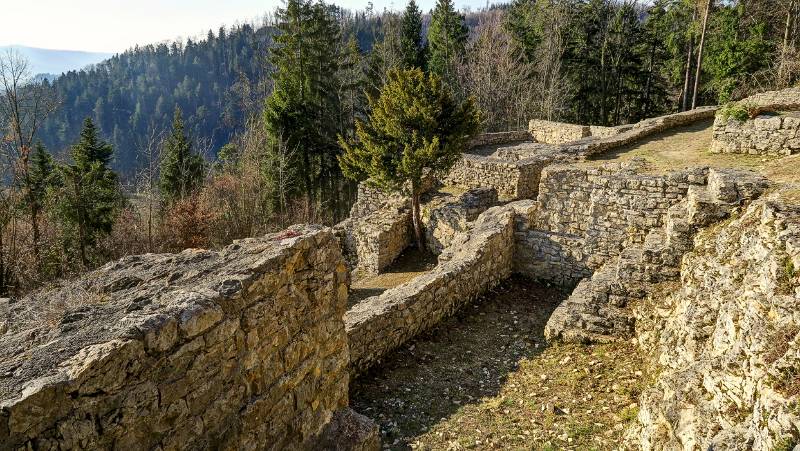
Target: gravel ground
{"x":486,"y":379}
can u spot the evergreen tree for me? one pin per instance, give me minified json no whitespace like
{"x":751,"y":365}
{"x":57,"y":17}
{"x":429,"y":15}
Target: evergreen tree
{"x":415,"y":125}
{"x":447,"y":38}
{"x":39,"y":177}
{"x":412,"y":47}
{"x":89,"y":199}
{"x":353,"y":83}
{"x":524,"y":28}
{"x":181,"y":168}
{"x":303,"y":110}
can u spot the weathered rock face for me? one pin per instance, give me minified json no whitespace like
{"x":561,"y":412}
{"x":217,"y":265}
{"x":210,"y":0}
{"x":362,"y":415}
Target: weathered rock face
{"x":478,"y":260}
{"x":764,"y":135}
{"x":244,"y":348}
{"x":728,"y":340}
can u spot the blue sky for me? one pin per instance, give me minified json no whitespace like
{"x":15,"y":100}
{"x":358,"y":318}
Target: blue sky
{"x":114,"y":25}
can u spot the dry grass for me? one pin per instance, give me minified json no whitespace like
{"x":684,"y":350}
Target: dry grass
{"x":687,"y":147}
{"x":486,"y":379}
{"x":410,"y":264}
{"x":680,"y":148}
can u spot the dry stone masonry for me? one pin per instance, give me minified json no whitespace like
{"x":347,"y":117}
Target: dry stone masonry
{"x":599,"y":307}
{"x":774,"y":133}
{"x":444,"y":216}
{"x":584,"y":217}
{"x":244,"y":348}
{"x":764,"y":135}
{"x":478,"y":260}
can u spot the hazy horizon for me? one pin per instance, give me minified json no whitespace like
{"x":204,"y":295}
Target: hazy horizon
{"x":116,"y":25}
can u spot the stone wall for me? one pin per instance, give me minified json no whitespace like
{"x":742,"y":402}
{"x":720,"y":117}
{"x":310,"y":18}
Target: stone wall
{"x":372,"y":242}
{"x":478,"y":260}
{"x":491,"y":139}
{"x":444,"y":216}
{"x":244,"y":348}
{"x":512,"y":179}
{"x":585,"y":216}
{"x":598,"y":309}
{"x":764,"y":135}
{"x":550,"y":132}
{"x":726,"y":340}
{"x":781,"y":100}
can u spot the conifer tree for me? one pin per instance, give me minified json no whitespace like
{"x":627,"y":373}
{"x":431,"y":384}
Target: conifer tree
{"x":415,"y":125}
{"x":523,"y":27}
{"x":39,"y":177}
{"x":303,"y":109}
{"x":447,"y":38}
{"x":413,"y":49}
{"x":90,"y":198}
{"x":181,"y":168}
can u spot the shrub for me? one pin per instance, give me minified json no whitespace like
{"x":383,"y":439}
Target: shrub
{"x":734,"y":111}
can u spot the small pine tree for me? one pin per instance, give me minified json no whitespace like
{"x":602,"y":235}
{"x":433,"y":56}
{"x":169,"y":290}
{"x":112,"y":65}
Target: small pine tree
{"x":415,"y":125}
{"x":181,"y":168}
{"x":412,"y":47}
{"x":89,"y":199}
{"x":447,"y":39}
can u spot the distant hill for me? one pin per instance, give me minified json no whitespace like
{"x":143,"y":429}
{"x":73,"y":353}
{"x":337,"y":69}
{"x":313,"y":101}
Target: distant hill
{"x":52,"y":63}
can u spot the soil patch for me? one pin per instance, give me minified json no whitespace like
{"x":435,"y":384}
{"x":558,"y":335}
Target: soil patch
{"x":410,"y":264}
{"x":486,"y":379}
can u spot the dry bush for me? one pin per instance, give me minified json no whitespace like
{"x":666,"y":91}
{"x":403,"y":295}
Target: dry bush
{"x":186,"y":224}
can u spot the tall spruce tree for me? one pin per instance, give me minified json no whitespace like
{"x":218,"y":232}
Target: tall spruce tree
{"x":40,"y":176}
{"x":303,"y":110}
{"x":524,"y":28}
{"x":181,"y":168}
{"x":415,"y":125}
{"x":90,"y":197}
{"x":447,"y":39}
{"x":411,"y":43}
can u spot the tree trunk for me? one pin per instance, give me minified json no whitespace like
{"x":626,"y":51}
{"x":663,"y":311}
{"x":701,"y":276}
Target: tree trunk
{"x":700,"y":54}
{"x":415,"y":216}
{"x":785,"y":48}
{"x":688,"y":76}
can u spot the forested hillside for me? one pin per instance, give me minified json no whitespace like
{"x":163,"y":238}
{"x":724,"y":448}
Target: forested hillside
{"x":138,"y":90}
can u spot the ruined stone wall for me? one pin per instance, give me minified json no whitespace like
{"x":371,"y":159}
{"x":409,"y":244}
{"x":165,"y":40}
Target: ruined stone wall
{"x":781,"y":100}
{"x":764,"y":135}
{"x":488,"y":139}
{"x":369,"y":199}
{"x":512,"y":179}
{"x":372,"y":242}
{"x":584,"y":216}
{"x":244,"y":348}
{"x":551,"y":132}
{"x":727,"y":340}
{"x":478,"y":260}
{"x":599,"y":307}
{"x":444,"y":216}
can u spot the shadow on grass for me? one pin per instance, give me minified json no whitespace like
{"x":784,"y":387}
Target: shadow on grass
{"x":466,"y":358}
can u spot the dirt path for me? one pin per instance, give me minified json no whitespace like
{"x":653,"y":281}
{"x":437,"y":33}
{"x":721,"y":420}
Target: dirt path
{"x":485,"y":379}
